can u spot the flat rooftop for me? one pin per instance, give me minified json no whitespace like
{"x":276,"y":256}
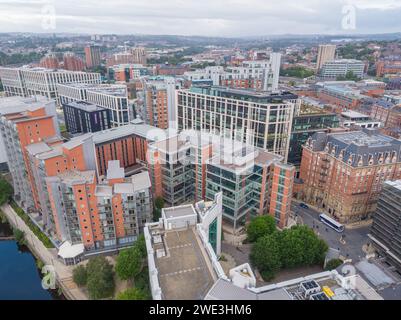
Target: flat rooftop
{"x":363,"y":139}
{"x":244,"y":94}
{"x":183,"y":272}
{"x":85,"y":106}
{"x":354,"y":114}
{"x":179,"y":211}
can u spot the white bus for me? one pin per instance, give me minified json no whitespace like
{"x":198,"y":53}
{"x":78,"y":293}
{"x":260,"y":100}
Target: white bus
{"x":331,"y":223}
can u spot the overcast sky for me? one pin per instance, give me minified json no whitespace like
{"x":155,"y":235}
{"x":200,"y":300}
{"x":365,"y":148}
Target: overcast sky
{"x":200,"y":17}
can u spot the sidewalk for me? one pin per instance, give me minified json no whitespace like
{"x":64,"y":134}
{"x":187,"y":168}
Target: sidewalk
{"x":47,"y":256}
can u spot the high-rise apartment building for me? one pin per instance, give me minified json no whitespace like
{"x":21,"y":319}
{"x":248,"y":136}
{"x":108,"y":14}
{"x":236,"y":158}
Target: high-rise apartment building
{"x":260,"y":119}
{"x":82,"y":211}
{"x":193,"y":166}
{"x":83,"y":117}
{"x":139,"y":54}
{"x":27,"y":81}
{"x":92,"y":56}
{"x":50,"y":61}
{"x":25,"y":121}
{"x":326,"y":52}
{"x":262,"y":75}
{"x":343,"y":173}
{"x":72,"y":62}
{"x":101,"y":215}
{"x":128,"y":144}
{"x":108,"y":96}
{"x":385,"y":232}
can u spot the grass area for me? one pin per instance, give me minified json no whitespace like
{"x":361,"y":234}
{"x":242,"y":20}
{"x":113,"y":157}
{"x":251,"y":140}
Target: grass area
{"x":34,"y":228}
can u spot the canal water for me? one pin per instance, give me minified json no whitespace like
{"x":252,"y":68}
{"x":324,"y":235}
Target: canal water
{"x":20,"y":278}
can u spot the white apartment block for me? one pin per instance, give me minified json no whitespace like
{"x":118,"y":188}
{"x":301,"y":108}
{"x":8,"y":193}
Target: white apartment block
{"x":28,"y":81}
{"x":336,"y":68}
{"x":113,"y":97}
{"x":265,"y":71}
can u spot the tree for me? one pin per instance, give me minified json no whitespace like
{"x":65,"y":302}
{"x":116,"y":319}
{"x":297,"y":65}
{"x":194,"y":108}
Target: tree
{"x":80,"y":276}
{"x":159,"y":202}
{"x":333,"y":264}
{"x":19,"y":236}
{"x":260,"y":226}
{"x":265,"y":255}
{"x":6,"y":191}
{"x":348,"y":76}
{"x":291,"y":249}
{"x":129,"y":263}
{"x":100,"y":282}
{"x":141,"y":245}
{"x":313,"y":248}
{"x":133,"y":294}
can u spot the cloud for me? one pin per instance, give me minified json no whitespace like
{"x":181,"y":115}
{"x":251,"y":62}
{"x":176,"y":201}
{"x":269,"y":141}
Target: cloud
{"x":206,"y":17}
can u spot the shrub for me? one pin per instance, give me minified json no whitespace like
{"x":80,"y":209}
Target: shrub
{"x":133,"y":294}
{"x":19,"y":236}
{"x":34,"y":228}
{"x":333,"y":264}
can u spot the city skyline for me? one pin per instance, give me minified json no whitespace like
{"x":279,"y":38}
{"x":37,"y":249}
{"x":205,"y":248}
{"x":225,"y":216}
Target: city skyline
{"x":226,"y":18}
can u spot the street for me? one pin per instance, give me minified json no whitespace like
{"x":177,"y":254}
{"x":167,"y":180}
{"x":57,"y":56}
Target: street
{"x":353,"y":239}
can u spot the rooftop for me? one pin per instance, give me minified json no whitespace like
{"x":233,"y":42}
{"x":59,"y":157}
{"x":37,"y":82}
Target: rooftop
{"x":179,"y":211}
{"x":183,"y":271}
{"x":77,"y":177}
{"x":395,"y":184}
{"x":359,"y":148}
{"x":244,"y":94}
{"x":143,"y":130}
{"x":353,"y":114}
{"x":85,"y":106}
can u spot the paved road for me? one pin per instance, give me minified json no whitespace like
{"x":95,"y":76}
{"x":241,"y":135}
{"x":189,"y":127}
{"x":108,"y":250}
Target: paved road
{"x":354,"y":238}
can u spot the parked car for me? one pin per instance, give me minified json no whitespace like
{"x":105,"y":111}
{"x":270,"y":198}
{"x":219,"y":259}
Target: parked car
{"x":303,"y":205}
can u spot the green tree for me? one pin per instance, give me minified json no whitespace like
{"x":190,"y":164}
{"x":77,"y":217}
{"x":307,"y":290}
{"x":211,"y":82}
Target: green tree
{"x":129,"y":263}
{"x":314,"y":248}
{"x":159,"y":202}
{"x":265,"y":255}
{"x":19,"y":236}
{"x":297,"y":72}
{"x":141,"y":245}
{"x":80,"y":276}
{"x":6,"y":191}
{"x":350,"y":76}
{"x":291,"y":249}
{"x":260,"y":226}
{"x":100,"y":282}
{"x":333,"y":264}
{"x":133,"y":294}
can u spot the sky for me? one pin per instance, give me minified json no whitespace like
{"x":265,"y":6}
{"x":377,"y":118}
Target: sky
{"x":224,"y":18}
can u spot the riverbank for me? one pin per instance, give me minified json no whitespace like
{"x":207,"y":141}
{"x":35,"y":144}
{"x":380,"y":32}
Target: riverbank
{"x":47,"y":256}
{"x":20,"y":276}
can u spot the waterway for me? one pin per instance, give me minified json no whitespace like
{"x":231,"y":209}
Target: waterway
{"x":20,"y":278}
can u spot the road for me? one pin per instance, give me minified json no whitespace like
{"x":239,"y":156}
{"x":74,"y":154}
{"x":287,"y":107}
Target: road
{"x":354,"y":239}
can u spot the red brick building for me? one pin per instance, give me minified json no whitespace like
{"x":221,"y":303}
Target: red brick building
{"x":342,"y":173}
